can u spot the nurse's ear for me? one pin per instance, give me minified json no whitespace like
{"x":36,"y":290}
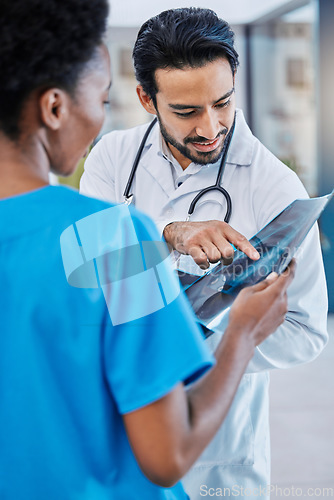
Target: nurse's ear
{"x":54,"y":108}
{"x":146,"y":100}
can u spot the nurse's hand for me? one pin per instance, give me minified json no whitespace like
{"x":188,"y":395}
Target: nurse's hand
{"x":207,"y":242}
{"x":260,"y":309}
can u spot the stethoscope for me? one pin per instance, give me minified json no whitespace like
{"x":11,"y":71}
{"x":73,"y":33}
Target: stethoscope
{"x":216,"y":187}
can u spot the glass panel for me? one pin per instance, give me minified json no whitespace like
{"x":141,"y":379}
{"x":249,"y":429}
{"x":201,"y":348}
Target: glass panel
{"x":283,"y":90}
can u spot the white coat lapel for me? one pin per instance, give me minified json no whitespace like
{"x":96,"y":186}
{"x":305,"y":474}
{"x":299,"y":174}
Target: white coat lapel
{"x":156,"y":165}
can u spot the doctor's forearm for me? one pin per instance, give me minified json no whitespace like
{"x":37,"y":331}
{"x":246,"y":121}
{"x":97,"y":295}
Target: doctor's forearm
{"x":293,"y":343}
{"x":303,"y":334}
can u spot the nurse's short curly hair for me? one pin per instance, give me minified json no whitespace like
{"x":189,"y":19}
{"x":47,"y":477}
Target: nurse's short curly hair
{"x":44,"y":43}
{"x":179,"y":38}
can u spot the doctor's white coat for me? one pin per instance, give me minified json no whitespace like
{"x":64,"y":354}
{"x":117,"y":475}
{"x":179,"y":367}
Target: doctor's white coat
{"x":260,"y":186}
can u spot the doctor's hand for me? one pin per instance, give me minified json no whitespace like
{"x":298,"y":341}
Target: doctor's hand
{"x":260,"y":309}
{"x":208,"y":241}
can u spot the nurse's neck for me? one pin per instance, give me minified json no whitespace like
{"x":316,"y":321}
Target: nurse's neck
{"x":24,"y":166}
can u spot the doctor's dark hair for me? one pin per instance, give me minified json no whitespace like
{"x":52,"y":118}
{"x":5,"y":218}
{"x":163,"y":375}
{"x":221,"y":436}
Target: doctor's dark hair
{"x":178,"y":38}
{"x":44,"y":44}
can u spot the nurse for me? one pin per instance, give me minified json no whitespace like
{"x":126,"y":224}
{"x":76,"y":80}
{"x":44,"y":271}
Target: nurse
{"x":186,"y":67}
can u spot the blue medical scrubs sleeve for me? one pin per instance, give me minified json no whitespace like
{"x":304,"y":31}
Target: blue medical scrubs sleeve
{"x":146,"y":358}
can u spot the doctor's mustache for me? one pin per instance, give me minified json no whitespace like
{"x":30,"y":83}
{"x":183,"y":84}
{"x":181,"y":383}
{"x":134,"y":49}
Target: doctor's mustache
{"x":200,"y":139}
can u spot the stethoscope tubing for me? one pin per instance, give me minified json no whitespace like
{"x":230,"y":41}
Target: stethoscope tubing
{"x":128,"y":197}
{"x":216,"y":187}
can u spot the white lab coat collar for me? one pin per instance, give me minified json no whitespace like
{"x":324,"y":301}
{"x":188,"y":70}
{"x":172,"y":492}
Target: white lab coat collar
{"x":155,"y":164}
{"x":242,"y":145}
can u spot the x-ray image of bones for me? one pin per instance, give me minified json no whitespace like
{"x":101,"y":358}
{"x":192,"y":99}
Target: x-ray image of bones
{"x":212,"y":294}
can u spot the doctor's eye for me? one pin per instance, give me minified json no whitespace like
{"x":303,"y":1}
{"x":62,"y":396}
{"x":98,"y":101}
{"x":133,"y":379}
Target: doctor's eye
{"x":185,"y":115}
{"x":224,"y":104}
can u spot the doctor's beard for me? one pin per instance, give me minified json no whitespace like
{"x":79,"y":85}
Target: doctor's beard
{"x":200,"y":158}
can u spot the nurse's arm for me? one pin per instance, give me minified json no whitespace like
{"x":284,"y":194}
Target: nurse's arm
{"x":208,"y":241}
{"x":168,"y":435}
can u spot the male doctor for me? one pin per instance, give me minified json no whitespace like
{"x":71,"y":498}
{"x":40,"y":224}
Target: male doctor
{"x":186,"y":64}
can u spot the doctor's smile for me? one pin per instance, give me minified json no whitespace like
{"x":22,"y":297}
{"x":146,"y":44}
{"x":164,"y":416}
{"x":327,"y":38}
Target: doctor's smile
{"x":205,"y":145}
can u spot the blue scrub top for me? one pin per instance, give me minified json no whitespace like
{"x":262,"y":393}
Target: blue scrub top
{"x":66,"y":373}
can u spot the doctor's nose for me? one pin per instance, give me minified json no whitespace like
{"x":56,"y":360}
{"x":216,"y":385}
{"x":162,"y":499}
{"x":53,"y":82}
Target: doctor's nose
{"x":208,"y":126}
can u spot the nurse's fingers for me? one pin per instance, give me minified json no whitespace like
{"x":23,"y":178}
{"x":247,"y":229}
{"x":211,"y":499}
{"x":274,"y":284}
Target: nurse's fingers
{"x":278,"y":283}
{"x":285,"y":279}
{"x":260,"y":309}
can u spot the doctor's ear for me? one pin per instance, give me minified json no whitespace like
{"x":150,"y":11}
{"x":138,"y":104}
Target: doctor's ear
{"x":146,"y":100}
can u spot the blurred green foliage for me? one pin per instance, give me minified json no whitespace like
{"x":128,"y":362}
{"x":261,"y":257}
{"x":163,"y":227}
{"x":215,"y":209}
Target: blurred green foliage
{"x":291,"y":162}
{"x":74,"y":179}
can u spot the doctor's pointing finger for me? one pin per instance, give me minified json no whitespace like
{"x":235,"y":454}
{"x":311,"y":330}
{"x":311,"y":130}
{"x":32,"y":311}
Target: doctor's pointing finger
{"x":207,"y":242}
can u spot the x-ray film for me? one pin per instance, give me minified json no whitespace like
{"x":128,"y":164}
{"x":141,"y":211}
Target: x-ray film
{"x":212,"y":294}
